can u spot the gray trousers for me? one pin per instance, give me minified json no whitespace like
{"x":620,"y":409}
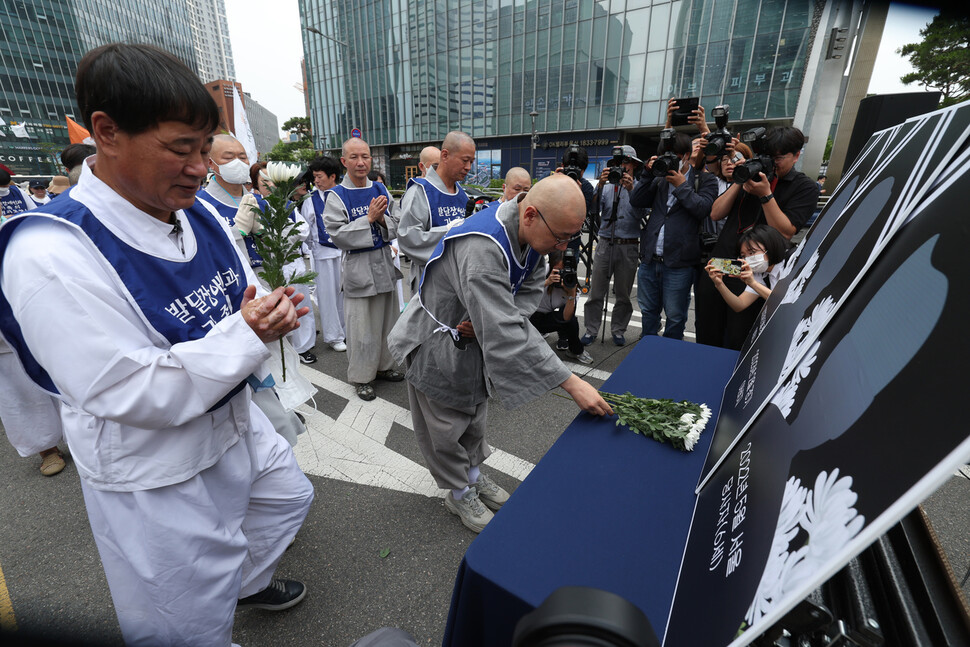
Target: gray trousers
{"x":451,"y":439}
{"x":369,"y":322}
{"x":622,"y":267}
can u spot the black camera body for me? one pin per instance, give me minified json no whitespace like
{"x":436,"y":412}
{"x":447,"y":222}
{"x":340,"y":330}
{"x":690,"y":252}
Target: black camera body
{"x":567,"y":275}
{"x":669,"y":160}
{"x":574,"y":162}
{"x":616,"y":166}
{"x":762,"y":162}
{"x":718,"y":140}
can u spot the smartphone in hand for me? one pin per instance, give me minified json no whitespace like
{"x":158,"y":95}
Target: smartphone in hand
{"x":730,"y":266}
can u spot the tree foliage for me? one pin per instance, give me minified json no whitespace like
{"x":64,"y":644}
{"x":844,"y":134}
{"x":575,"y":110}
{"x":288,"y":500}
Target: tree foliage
{"x":300,"y":126}
{"x":284,"y":151}
{"x":942,"y":60}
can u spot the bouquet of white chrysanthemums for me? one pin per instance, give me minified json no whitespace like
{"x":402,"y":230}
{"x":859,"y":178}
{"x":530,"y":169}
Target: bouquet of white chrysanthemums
{"x":276,"y":239}
{"x":677,"y":423}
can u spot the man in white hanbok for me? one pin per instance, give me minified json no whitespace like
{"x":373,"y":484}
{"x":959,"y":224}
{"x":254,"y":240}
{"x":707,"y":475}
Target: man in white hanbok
{"x":128,"y":299}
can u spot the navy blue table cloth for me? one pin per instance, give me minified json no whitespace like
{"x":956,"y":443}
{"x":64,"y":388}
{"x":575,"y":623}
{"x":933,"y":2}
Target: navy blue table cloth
{"x":604,"y":508}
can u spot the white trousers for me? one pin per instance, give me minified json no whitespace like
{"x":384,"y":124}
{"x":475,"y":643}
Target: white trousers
{"x":178,"y":557}
{"x":330,"y":300}
{"x":31,"y":418}
{"x":304,"y":337}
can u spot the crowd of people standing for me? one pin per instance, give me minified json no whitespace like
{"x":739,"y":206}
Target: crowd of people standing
{"x":168,"y":407}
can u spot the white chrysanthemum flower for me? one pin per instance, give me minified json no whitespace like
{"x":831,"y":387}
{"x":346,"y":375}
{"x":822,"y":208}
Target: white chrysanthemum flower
{"x":282,"y":171}
{"x":691,"y":439}
{"x":780,"y":561}
{"x":687,"y":418}
{"x":828,"y":517}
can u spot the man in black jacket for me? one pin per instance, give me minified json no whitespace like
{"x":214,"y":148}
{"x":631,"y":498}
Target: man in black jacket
{"x":669,"y":244}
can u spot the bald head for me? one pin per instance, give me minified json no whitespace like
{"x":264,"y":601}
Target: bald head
{"x":561,"y":204}
{"x":428,"y":158}
{"x":517,"y":180}
{"x":355,"y":156}
{"x":457,"y":156}
{"x":225,"y":149}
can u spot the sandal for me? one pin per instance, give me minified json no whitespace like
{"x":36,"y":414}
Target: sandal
{"x":365,"y":391}
{"x":53,"y":462}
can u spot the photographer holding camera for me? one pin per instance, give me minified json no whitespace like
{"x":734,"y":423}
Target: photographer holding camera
{"x":617,"y":254}
{"x":767,"y":190}
{"x":557,"y":308}
{"x":680,"y":195}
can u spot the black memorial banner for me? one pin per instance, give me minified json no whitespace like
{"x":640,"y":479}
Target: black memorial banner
{"x":880,"y":193}
{"x":865,"y":426}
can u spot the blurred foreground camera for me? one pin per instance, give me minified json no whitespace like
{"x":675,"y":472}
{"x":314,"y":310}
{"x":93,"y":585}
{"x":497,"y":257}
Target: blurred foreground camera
{"x":577,"y":616}
{"x":574,"y":162}
{"x":762,"y":162}
{"x":669,"y":160}
{"x":616,"y":166}
{"x":718,"y":140}
{"x":567,"y":275}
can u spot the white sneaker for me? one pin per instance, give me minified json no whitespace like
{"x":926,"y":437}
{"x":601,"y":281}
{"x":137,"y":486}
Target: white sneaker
{"x":582,"y":358}
{"x":473,"y":514}
{"x":338,"y":346}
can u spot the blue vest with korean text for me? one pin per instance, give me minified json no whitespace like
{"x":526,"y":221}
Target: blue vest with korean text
{"x":319,"y":202}
{"x":229,"y":213}
{"x":444,"y":207}
{"x":357,"y":201}
{"x":181,"y":300}
{"x":12,"y":203}
{"x":487,"y":224}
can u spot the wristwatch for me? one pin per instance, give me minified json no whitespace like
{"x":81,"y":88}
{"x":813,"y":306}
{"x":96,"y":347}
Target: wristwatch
{"x":767,"y":198}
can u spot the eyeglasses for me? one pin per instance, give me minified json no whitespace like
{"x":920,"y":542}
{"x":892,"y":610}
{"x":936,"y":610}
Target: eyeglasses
{"x":559,"y":241}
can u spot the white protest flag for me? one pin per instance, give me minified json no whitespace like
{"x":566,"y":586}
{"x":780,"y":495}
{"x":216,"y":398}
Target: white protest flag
{"x":241,"y":127}
{"x":20,"y":130}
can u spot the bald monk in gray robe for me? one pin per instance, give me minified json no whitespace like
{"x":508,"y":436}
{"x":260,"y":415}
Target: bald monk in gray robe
{"x":467,"y":335}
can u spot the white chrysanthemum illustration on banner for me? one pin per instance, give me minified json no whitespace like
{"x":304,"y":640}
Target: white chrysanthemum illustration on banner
{"x":798,"y":284}
{"x":784,"y":397}
{"x":820,"y":314}
{"x":829,"y":520}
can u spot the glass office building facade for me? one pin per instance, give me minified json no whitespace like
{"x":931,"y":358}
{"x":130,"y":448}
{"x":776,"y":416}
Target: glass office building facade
{"x":406,"y":72}
{"x":43,"y":41}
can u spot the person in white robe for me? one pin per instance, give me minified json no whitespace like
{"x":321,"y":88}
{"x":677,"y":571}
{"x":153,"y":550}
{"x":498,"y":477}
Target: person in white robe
{"x":128,"y":300}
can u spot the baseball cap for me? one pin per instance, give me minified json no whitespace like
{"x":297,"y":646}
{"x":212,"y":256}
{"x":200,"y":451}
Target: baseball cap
{"x":629,"y":151}
{"x":37,"y":184}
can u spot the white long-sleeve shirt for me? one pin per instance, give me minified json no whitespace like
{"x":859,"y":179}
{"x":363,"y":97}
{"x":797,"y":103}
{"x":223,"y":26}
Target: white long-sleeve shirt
{"x":135,"y":406}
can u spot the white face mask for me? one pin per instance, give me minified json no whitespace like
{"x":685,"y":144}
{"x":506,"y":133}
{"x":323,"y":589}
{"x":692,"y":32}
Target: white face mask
{"x":4,"y":190}
{"x":234,"y":172}
{"x":757,"y":263}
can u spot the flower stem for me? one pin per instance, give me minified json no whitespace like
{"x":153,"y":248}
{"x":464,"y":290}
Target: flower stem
{"x":282,"y":359}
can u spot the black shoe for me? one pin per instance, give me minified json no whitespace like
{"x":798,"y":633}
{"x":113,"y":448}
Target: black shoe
{"x":390,"y":375}
{"x":562,"y":344}
{"x":279,"y":595}
{"x":365,"y":391}
{"x":307,"y":358}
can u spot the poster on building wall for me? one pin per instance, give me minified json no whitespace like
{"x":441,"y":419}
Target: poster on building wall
{"x":878,"y":196}
{"x":865,"y":427}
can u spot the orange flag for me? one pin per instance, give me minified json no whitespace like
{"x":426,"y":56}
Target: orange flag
{"x":77,"y":132}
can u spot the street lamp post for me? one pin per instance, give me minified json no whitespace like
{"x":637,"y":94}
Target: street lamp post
{"x":535,"y":140}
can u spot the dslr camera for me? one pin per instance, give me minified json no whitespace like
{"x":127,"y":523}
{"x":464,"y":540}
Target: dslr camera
{"x":574,"y":162}
{"x":669,"y":160}
{"x":616,"y":166}
{"x":762,"y":162}
{"x":567,"y":275}
{"x":718,"y":140}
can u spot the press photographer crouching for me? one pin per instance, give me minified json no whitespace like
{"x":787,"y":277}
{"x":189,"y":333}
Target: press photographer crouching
{"x":767,"y":190}
{"x":557,"y":309}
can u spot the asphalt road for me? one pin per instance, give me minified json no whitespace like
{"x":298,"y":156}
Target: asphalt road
{"x":372,"y":494}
